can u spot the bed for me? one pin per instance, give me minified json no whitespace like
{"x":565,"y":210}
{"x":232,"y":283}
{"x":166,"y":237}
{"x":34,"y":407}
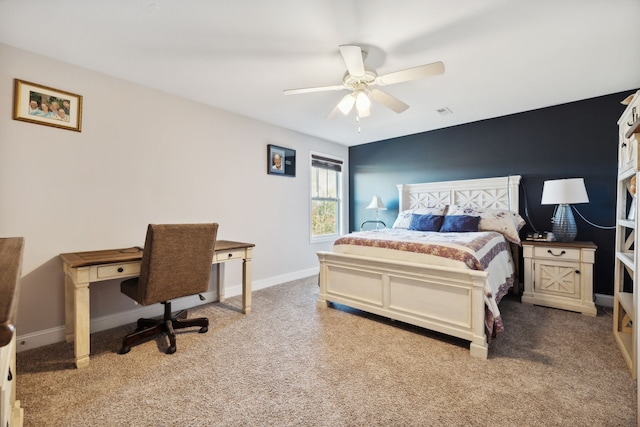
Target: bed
{"x":372,"y":272}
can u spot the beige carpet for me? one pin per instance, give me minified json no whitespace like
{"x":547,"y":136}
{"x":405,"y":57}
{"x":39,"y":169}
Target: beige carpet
{"x":290,"y":364}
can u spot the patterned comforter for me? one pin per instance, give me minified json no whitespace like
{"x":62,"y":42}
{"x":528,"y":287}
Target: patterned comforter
{"x":483,"y":251}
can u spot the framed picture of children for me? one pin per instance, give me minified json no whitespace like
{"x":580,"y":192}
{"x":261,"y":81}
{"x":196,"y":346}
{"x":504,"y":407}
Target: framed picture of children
{"x":47,"y":106}
{"x":281,"y":161}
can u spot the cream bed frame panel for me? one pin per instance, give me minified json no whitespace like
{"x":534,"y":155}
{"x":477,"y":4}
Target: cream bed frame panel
{"x":496,"y":193}
{"x":443,"y":299}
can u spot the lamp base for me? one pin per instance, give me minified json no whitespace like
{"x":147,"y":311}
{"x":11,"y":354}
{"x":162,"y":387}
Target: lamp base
{"x":564,"y":224}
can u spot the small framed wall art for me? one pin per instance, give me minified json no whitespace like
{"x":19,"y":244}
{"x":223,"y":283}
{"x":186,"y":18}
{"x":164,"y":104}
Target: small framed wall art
{"x":281,"y":161}
{"x":47,"y":106}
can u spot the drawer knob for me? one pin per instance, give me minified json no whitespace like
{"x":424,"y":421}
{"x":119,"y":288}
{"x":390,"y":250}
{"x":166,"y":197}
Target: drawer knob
{"x":230,"y":255}
{"x":120,"y":269}
{"x":560,"y":254}
{"x":10,"y":376}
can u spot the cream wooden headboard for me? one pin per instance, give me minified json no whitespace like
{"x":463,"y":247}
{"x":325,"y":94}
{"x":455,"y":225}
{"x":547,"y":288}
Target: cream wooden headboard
{"x":497,"y":193}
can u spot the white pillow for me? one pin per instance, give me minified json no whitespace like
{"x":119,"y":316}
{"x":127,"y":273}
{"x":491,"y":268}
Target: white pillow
{"x":404,"y":217}
{"x":506,"y":222}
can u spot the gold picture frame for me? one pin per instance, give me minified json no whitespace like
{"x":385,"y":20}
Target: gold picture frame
{"x":47,"y":106}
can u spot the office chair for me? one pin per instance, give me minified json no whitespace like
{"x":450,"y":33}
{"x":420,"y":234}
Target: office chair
{"x":176,"y":262}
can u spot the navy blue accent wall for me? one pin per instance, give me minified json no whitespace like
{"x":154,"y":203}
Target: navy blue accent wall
{"x":572,"y":140}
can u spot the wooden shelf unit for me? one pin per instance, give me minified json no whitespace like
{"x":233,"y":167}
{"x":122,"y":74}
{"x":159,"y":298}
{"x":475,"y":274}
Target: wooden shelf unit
{"x":633,"y":129}
{"x":625,"y":306}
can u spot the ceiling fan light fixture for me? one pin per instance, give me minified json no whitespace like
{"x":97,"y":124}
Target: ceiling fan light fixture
{"x":346,"y":104}
{"x":363,"y":103}
{"x":364,"y":113}
{"x":360,"y":80}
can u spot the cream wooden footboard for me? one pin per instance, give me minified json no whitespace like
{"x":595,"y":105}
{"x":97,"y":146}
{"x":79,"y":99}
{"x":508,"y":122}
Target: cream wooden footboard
{"x":442,"y":299}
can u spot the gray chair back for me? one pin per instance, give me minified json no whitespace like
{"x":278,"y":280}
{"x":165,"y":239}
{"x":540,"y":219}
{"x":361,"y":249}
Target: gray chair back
{"x":176,"y":261}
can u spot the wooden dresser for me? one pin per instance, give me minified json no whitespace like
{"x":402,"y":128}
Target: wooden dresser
{"x":11,"y":414}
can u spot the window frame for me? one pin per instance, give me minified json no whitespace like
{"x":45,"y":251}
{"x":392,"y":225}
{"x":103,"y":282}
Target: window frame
{"x":339,"y":199}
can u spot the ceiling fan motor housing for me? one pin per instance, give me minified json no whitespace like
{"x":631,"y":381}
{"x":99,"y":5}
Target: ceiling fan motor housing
{"x":355,"y":82}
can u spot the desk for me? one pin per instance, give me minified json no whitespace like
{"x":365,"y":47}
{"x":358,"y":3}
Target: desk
{"x":82,"y":268}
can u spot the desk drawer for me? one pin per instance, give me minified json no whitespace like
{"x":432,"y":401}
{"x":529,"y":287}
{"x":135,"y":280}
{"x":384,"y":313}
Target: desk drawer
{"x":559,"y":253}
{"x":227,"y":255}
{"x":118,"y":270}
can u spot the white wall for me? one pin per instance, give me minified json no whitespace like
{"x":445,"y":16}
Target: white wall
{"x":143,"y":156}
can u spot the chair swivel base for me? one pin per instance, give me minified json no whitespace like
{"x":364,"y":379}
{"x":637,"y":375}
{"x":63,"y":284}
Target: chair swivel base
{"x":151,"y":327}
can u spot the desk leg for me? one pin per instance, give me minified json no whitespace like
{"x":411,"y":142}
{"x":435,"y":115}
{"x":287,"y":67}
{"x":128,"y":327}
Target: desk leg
{"x":246,"y":283}
{"x":69,"y":308}
{"x":220,"y":280}
{"x":82,"y":324}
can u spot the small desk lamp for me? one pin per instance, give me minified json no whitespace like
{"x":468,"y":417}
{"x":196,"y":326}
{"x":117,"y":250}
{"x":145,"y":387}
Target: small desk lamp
{"x":376,"y":203}
{"x":564,"y":192}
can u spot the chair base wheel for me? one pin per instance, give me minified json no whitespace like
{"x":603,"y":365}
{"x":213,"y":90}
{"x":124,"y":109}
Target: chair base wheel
{"x":147,"y":328}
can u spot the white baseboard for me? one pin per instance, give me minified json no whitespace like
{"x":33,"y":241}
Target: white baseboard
{"x":57,"y":334}
{"x":604,"y":300}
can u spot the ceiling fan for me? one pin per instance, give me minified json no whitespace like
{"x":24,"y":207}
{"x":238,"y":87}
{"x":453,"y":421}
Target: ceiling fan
{"x":360,"y":80}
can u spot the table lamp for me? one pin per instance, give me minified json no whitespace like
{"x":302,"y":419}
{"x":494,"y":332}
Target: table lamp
{"x":378,"y":205}
{"x":564,"y":192}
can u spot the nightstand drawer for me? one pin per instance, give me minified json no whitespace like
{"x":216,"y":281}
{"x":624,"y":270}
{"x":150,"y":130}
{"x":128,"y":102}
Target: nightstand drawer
{"x":118,"y":270}
{"x":564,"y":254}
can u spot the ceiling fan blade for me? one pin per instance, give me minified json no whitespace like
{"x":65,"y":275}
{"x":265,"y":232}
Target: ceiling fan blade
{"x":391,"y":102}
{"x":313,"y":89}
{"x":352,"y":56}
{"x":414,"y":73}
{"x":334,"y":112}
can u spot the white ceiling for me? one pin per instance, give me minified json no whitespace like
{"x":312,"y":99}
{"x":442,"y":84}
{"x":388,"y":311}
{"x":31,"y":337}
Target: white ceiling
{"x":501,"y":56}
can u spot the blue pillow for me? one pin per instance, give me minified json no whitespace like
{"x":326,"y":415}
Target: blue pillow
{"x":459,"y":223}
{"x":426,"y":222}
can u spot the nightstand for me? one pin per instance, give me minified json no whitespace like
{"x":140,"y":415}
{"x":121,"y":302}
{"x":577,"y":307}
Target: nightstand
{"x":559,"y":275}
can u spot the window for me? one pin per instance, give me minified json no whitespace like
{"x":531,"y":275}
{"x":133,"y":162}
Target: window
{"x":325,"y":197}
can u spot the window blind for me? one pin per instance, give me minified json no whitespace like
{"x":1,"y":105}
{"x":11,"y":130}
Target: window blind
{"x":326,"y":163}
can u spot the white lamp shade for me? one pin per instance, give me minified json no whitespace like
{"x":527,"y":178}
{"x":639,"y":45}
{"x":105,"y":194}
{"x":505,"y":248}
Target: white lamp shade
{"x":364,"y":113}
{"x":376,"y":203}
{"x":346,"y":104}
{"x":363,"y":103}
{"x":564,"y":191}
